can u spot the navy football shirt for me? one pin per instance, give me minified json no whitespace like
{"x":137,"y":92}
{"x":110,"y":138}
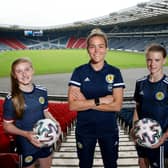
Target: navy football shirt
{"x":95,"y":84}
{"x":35,"y":103}
{"x":153,"y":99}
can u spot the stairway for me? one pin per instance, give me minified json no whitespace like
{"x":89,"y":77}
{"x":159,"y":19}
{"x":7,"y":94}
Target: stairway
{"x":66,"y":157}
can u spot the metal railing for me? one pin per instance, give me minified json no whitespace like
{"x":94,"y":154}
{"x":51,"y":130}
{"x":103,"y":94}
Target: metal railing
{"x":65,"y":98}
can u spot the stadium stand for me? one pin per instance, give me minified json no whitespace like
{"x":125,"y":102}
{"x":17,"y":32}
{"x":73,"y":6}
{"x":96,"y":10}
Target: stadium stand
{"x":71,"y":42}
{"x":130,"y":40}
{"x":76,"y":42}
{"x":128,"y":29}
{"x":134,"y":38}
{"x":13,"y":43}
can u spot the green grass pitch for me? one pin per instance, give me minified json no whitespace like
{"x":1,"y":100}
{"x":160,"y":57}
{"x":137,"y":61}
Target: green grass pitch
{"x":65,"y":60}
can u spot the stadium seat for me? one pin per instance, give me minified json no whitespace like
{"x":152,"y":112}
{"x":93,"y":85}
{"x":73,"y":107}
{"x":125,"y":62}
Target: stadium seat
{"x":125,"y":118}
{"x":1,"y":110}
{"x":9,"y":160}
{"x":62,"y":113}
{"x":4,"y":142}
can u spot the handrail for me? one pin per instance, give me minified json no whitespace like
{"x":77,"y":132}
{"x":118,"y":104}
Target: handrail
{"x":63,"y":97}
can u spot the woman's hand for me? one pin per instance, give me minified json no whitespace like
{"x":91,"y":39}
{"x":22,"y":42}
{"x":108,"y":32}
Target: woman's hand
{"x":161,"y":140}
{"x":58,"y":126}
{"x":132,"y":134}
{"x":106,"y":99}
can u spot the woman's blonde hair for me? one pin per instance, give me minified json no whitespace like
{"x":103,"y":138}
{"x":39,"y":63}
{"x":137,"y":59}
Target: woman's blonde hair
{"x":17,"y":96}
{"x":97,"y":32}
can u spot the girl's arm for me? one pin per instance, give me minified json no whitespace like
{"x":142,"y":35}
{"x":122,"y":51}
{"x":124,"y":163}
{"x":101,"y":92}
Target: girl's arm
{"x":135,"y":115}
{"x":12,"y":129}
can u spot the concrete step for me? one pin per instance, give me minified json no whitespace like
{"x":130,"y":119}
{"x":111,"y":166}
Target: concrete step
{"x":66,"y":157}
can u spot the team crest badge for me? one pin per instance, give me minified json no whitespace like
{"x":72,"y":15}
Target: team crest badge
{"x":28,"y":159}
{"x":109,"y":78}
{"x":159,"y":95}
{"x":41,"y":100}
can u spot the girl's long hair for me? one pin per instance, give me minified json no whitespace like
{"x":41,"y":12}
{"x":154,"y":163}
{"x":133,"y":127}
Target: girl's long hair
{"x":17,"y":96}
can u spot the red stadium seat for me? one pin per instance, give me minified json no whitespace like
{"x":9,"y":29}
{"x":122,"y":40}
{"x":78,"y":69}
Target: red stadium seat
{"x":4,"y":142}
{"x":1,"y":110}
{"x":62,"y":113}
{"x":5,"y":139}
{"x":9,"y":160}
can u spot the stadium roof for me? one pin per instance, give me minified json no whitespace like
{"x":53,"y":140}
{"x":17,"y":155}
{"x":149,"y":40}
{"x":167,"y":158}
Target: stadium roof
{"x":142,"y":11}
{"x":149,"y":11}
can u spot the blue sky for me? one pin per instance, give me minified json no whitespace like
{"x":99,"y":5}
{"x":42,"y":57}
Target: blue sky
{"x":57,"y":12}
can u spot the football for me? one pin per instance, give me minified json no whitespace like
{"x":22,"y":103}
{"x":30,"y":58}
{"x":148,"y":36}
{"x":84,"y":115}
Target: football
{"x":147,"y":132}
{"x":47,"y":131}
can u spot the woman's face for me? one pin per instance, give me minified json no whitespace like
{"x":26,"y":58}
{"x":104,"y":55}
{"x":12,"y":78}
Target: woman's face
{"x":97,"y":49}
{"x":23,"y":73}
{"x":155,"y":62}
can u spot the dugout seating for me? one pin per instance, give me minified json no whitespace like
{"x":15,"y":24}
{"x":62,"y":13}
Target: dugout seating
{"x":61,"y":112}
{"x":125,"y":117}
{"x":8,"y":158}
{"x":5,"y":139}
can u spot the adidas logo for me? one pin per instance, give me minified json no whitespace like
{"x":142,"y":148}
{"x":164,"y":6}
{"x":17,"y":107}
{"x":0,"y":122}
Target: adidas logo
{"x":86,"y":79}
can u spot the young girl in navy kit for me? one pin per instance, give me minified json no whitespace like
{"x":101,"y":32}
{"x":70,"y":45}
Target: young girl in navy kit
{"x":24,"y":106}
{"x":151,"y":96}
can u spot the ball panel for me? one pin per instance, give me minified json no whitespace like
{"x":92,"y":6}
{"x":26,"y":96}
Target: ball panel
{"x":147,"y":132}
{"x":47,"y":131}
